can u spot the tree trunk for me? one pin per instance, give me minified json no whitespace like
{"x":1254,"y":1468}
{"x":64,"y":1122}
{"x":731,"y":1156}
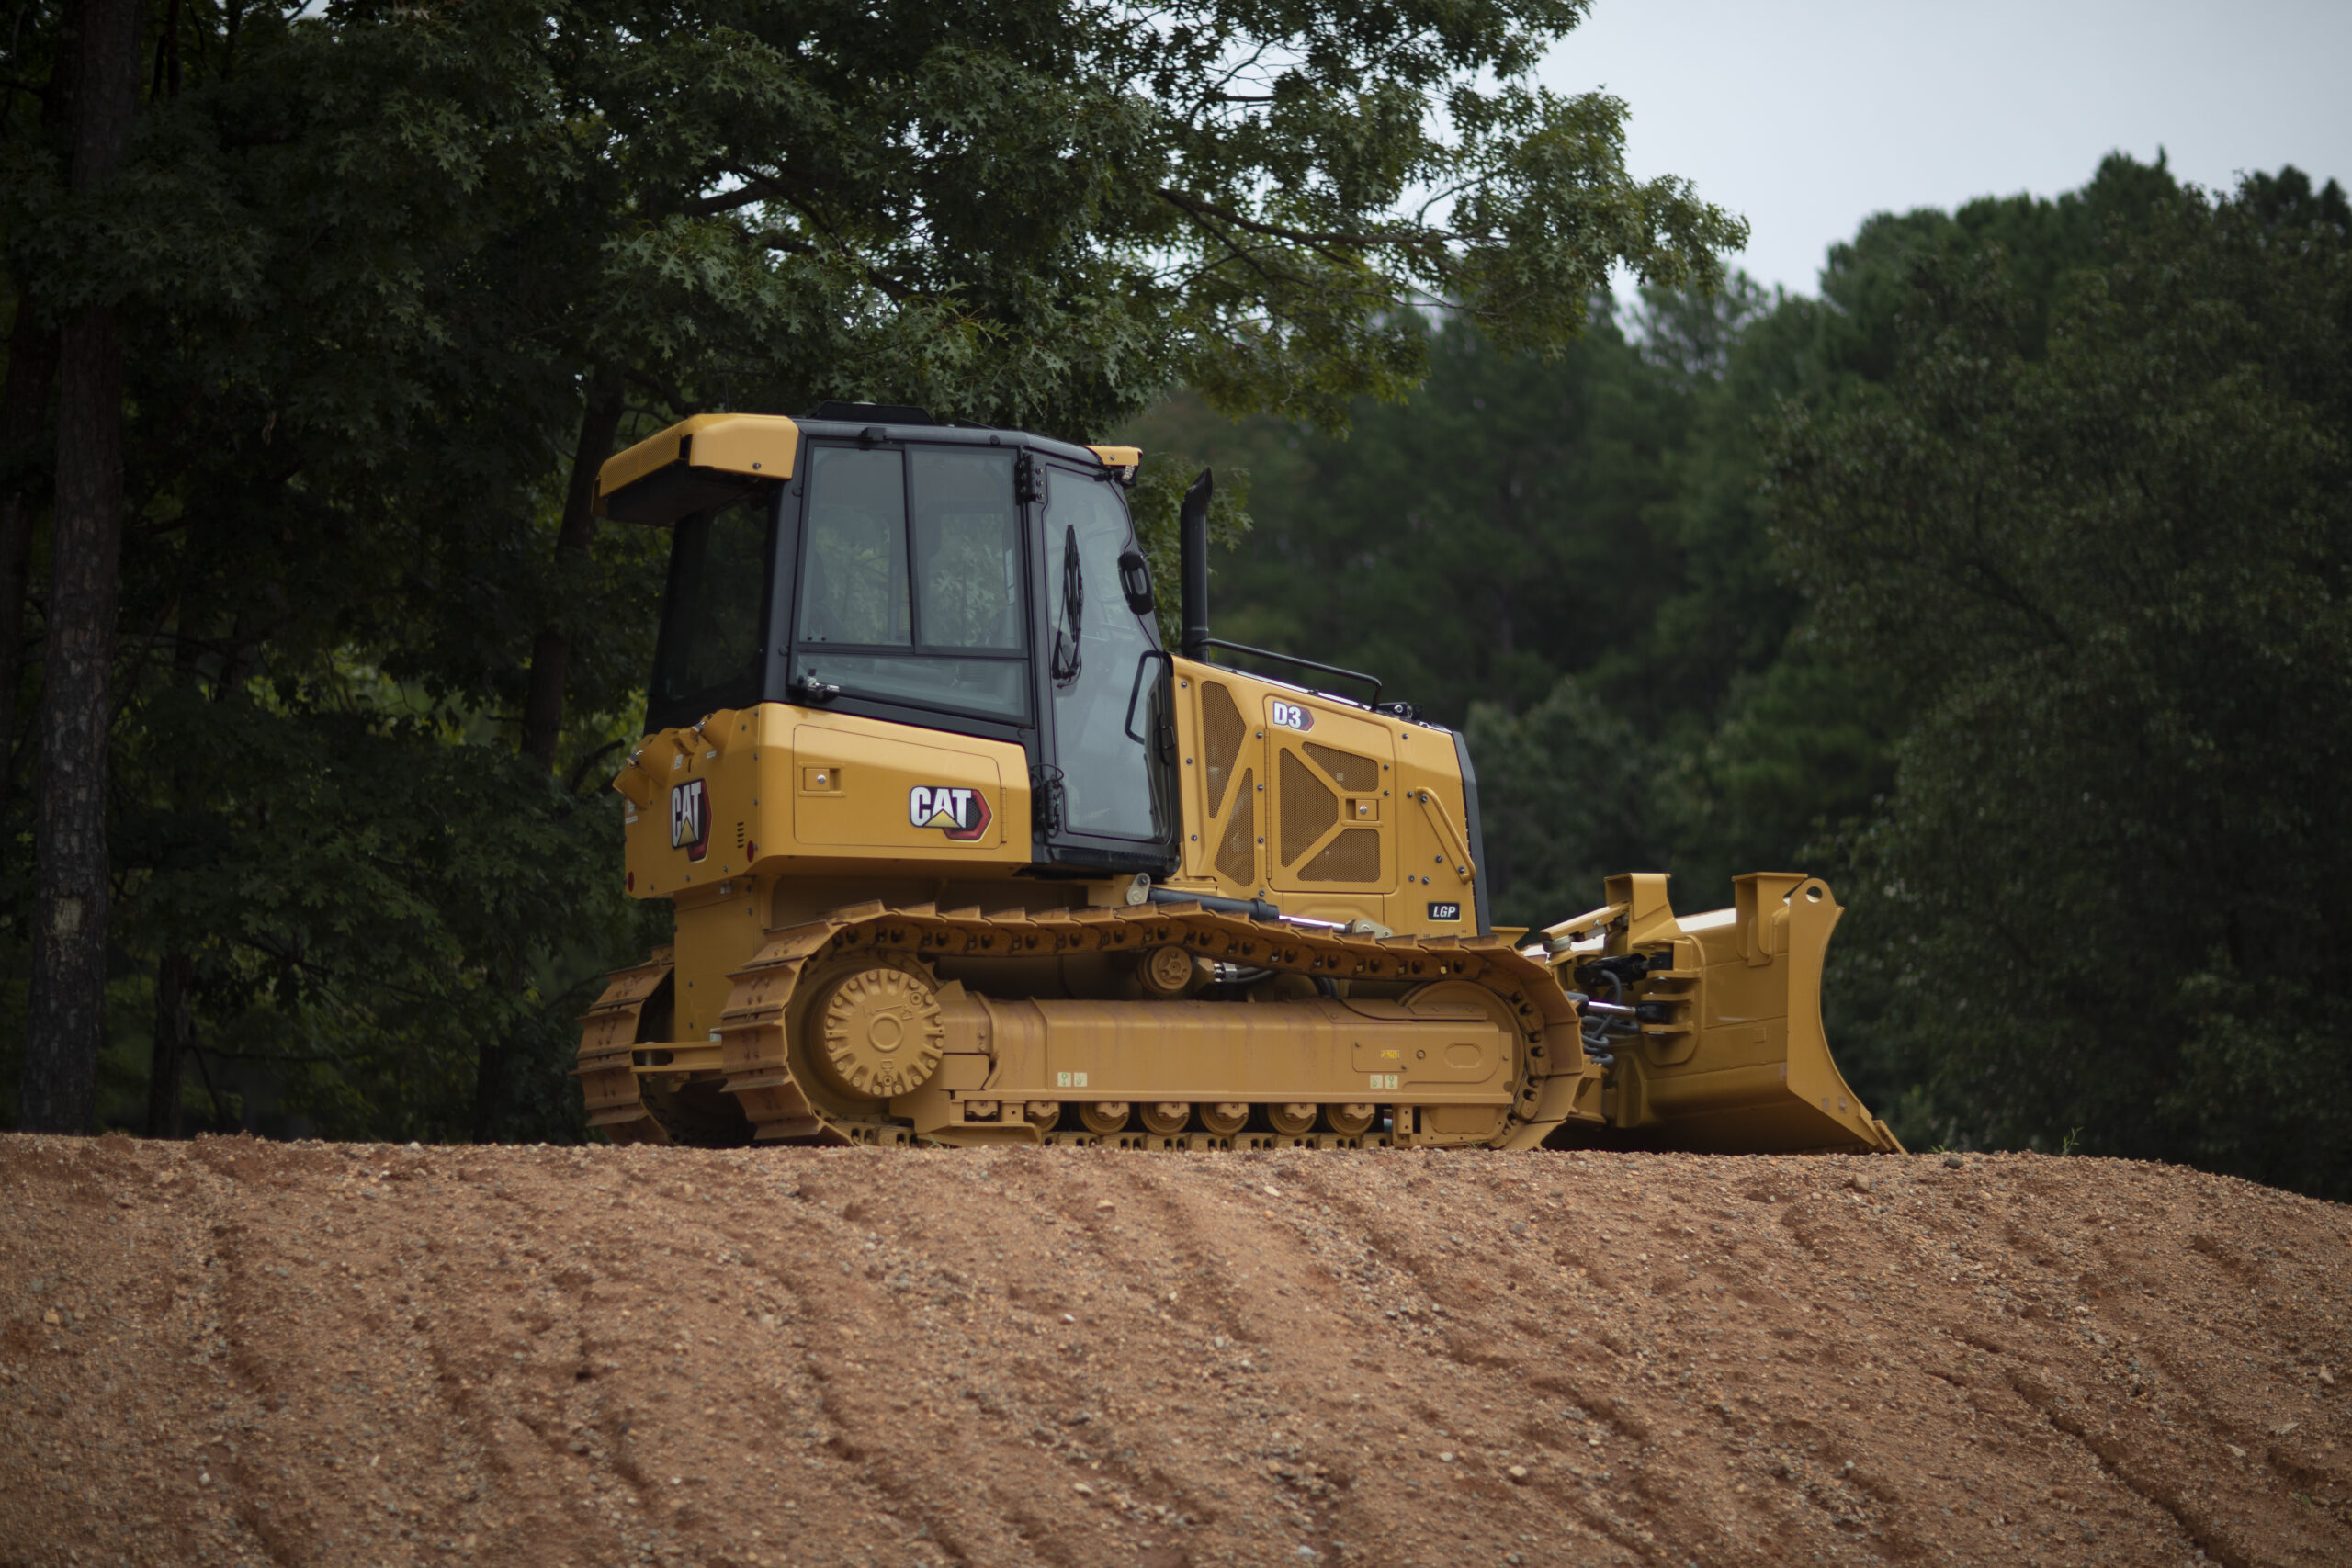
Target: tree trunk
{"x":551,"y":650}
{"x":174,"y":1033}
{"x":168,"y":56}
{"x":500,"y":1096}
{"x":26,"y":459}
{"x":63,"y":1020}
{"x":490,"y":1066}
{"x":543,"y":701}
{"x":24,"y":410}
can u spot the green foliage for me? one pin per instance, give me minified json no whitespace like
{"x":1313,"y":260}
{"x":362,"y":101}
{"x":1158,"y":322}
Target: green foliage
{"x":380,"y":265}
{"x":2003,"y":584}
{"x":2107,"y":560}
{"x":1474,"y":541}
{"x":416,"y":901}
{"x":1568,"y":558}
{"x":1567,"y":792}
{"x":1156,"y":502}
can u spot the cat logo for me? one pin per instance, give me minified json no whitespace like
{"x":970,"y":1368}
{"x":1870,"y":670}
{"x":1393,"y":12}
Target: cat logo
{"x":690,"y":818}
{"x":962,"y":814}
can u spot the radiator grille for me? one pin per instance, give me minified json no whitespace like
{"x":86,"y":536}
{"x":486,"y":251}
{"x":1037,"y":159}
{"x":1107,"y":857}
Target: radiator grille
{"x":1222,"y":733}
{"x":1236,"y":858}
{"x":1309,"y":808}
{"x":1353,"y":856}
{"x":1359,"y":774}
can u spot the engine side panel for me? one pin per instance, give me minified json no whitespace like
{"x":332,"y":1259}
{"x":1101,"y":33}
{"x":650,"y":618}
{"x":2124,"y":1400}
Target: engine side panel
{"x":1319,"y":808}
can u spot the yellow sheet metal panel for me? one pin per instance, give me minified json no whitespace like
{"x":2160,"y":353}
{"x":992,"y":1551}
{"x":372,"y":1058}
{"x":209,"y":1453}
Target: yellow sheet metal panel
{"x":756,"y":444}
{"x":1187,"y":1050}
{"x":1219,"y":768}
{"x":649,"y":456}
{"x":720,"y":928}
{"x":1126,"y":459}
{"x":1435,"y":877}
{"x":696,"y":809}
{"x":782,"y":791}
{"x":763,"y":445}
{"x":1333,"y":806}
{"x":1310,"y":803}
{"x":872,"y":790}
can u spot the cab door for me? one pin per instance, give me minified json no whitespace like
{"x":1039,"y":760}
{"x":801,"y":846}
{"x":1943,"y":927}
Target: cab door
{"x":1104,"y":677}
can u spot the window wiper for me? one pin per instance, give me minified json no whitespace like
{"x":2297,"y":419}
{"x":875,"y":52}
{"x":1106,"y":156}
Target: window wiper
{"x":1067,"y":660}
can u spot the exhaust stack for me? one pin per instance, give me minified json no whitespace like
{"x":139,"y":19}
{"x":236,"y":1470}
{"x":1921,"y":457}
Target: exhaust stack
{"x":1192,"y":565}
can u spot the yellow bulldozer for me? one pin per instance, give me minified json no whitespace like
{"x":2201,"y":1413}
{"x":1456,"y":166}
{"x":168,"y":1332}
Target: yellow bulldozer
{"x":960,"y":853}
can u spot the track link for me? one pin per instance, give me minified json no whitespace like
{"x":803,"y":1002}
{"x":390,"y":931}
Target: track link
{"x":760,"y":1064}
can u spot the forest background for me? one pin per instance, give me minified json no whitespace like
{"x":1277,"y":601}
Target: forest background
{"x":2004,"y":583}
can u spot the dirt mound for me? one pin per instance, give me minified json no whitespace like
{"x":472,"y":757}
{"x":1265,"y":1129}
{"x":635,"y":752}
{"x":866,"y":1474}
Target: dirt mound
{"x":234,"y":1351}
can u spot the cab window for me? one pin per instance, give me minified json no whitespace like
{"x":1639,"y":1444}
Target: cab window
{"x":854,"y":588}
{"x":911,"y":579}
{"x":1098,"y":664}
{"x":714,"y":633}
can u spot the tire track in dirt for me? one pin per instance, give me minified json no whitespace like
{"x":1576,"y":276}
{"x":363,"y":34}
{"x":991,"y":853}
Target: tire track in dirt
{"x":232,"y":1351}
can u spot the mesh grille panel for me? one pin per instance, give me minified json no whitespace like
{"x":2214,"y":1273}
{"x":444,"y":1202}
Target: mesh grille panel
{"x":1353,"y":856}
{"x":1222,"y":732}
{"x":1309,"y":808}
{"x":1360,"y":774}
{"x":1236,"y":858}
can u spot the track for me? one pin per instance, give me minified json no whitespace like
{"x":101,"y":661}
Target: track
{"x":763,"y":1059}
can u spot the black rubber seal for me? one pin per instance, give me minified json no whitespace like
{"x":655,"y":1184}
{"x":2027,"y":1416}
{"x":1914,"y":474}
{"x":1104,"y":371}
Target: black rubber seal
{"x":1478,"y":897}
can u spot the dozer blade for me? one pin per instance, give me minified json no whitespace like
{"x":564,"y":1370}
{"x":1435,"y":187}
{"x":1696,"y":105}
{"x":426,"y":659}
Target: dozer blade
{"x":1730,"y":1056}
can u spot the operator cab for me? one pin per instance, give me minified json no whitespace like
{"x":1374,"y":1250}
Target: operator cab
{"x":866,"y":559}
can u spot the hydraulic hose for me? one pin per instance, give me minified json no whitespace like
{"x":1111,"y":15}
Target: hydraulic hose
{"x":1602,"y":1019}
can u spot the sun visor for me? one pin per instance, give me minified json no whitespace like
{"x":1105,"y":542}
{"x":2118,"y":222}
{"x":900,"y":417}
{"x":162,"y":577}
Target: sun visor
{"x":695,"y":464}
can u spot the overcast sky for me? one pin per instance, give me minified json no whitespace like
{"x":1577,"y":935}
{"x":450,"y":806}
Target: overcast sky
{"x":1806,"y":116}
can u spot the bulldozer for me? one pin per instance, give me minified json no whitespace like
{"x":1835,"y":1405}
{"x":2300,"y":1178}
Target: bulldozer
{"x":960,"y":853}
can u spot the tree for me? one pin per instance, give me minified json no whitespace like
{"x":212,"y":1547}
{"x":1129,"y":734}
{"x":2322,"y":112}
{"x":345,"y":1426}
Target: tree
{"x":2106,"y":543}
{"x":61,"y":1034}
{"x":1702,"y":722}
{"x":1482,"y":537}
{"x":397,"y":279}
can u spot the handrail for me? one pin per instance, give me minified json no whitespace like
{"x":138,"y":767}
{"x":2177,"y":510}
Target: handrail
{"x":1373,"y":680}
{"x":1135,"y":689}
{"x":1456,"y":846}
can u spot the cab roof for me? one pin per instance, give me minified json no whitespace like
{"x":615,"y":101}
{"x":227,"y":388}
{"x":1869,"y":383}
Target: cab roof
{"x":705,"y":458}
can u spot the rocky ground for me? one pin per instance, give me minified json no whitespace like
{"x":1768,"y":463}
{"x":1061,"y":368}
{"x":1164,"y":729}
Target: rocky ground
{"x":236,"y":1352}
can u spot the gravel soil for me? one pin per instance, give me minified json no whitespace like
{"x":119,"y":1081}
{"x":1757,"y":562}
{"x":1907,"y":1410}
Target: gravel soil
{"x":232,"y":1351}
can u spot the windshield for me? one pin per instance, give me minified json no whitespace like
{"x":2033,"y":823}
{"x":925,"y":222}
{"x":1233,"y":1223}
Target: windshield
{"x":911,"y":586}
{"x":713,"y":631}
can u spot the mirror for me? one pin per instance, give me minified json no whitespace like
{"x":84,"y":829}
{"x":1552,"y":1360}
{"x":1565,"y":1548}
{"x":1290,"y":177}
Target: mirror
{"x":1134,"y":581}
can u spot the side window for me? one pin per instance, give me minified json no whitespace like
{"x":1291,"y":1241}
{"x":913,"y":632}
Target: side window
{"x":932,"y":613}
{"x":714,"y":626}
{"x":854,"y":588}
{"x":967,"y":549}
{"x":1098,"y":646}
